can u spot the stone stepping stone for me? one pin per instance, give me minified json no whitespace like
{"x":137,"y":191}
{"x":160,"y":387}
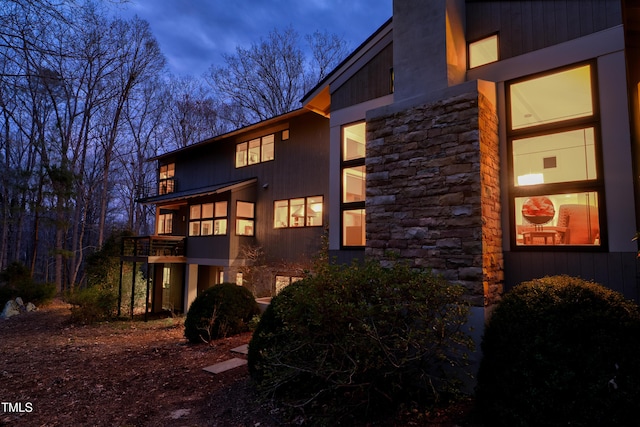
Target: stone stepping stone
{"x":226,"y":365}
{"x":243,"y":349}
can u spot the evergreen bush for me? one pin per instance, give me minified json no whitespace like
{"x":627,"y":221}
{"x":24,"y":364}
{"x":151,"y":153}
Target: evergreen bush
{"x":92,"y":304}
{"x":561,"y":351}
{"x":222,"y":310}
{"x":352,"y":342}
{"x":16,"y":281}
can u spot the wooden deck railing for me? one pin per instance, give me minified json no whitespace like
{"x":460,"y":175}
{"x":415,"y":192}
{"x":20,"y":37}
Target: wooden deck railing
{"x":141,"y":247}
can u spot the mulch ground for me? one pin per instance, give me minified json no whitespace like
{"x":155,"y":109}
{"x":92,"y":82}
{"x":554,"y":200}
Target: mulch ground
{"x":133,"y":373}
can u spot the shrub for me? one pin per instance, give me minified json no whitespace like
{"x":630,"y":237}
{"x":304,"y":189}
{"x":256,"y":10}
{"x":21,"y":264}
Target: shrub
{"x":347,"y":342}
{"x":222,"y":310}
{"x":17,"y":282}
{"x":560,"y":351}
{"x":92,"y":304}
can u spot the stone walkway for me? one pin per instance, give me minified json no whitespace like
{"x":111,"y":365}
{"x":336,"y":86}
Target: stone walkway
{"x":231,"y":363}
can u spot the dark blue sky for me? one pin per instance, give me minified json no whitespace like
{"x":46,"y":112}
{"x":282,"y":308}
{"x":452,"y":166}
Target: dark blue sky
{"x":193,"y":34}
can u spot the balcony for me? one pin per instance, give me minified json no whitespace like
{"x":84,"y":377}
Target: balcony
{"x":153,"y":189}
{"x":154,"y":249}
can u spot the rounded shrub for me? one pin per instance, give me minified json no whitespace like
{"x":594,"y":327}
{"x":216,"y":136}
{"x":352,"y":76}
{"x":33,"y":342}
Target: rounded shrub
{"x":360,"y":341}
{"x":220,"y":311}
{"x":561,"y":351}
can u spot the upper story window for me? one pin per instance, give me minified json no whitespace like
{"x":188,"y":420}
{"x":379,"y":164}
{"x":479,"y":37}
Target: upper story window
{"x":301,"y":212}
{"x":255,"y":151}
{"x":245,"y":218}
{"x":556,"y":188}
{"x":208,"y":219}
{"x":353,"y":184}
{"x":483,"y":51}
{"x":166,"y":182}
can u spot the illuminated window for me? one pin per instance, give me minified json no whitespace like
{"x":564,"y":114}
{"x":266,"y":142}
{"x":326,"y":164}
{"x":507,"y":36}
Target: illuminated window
{"x":255,"y":151}
{"x":165,"y":223}
{"x":353,"y":184}
{"x":166,"y":182}
{"x":208,"y":219}
{"x":556,"y":190}
{"x":301,"y":212}
{"x":284,"y":281}
{"x":245,"y":218}
{"x":483,"y":51}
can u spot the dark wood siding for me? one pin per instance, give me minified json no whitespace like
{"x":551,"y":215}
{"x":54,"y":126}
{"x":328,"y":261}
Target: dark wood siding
{"x":524,"y":26}
{"x":300,"y":169}
{"x":370,"y":82}
{"x":616,"y":270}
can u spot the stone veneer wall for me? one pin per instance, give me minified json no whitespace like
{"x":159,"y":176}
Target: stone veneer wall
{"x":433,"y":194}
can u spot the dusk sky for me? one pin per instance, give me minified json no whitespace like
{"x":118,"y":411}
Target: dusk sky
{"x":193,"y":34}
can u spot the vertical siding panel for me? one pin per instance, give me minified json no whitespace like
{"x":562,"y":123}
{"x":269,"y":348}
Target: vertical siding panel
{"x":587,"y":266}
{"x":586,"y":17}
{"x":506,"y":25}
{"x":562,"y":32}
{"x":573,"y":264}
{"x":516,"y":28}
{"x":549,"y":23}
{"x":614,"y":272}
{"x":629,"y":265}
{"x":573,"y":19}
{"x":527,"y":31}
{"x":601,"y":268}
{"x":537,"y":13}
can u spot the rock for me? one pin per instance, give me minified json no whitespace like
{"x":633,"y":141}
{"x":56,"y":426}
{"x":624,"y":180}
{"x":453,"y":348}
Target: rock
{"x":19,"y":302}
{"x":10,"y":309}
{"x":31,"y":307}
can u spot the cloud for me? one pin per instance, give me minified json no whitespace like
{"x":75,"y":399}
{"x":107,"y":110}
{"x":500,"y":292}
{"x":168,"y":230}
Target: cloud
{"x":194,"y":34}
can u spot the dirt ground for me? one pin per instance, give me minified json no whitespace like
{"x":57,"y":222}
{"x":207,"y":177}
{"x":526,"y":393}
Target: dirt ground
{"x":130,"y":373}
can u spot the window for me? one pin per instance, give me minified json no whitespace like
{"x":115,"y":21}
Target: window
{"x":245,"y":218}
{"x":284,"y":281}
{"x":302,"y":212}
{"x":208,"y":219}
{"x":255,"y":151}
{"x":483,"y":51}
{"x":556,"y":188}
{"x":166,"y":183}
{"x":353,"y":185}
{"x":165,"y":223}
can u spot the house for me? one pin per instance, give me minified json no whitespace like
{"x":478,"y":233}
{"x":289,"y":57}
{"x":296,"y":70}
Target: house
{"x":493,"y":142}
{"x":260,"y":189}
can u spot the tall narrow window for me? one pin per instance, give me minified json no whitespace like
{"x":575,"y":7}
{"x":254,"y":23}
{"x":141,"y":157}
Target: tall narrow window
{"x":165,"y":223}
{"x":166,"y":182}
{"x":245,"y":218}
{"x":353,"y":185}
{"x":556,"y":189}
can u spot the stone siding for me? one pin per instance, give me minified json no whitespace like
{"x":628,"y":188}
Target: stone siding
{"x":433,"y":195}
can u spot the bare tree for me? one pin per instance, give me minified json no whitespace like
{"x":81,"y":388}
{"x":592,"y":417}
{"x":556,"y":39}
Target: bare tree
{"x":270,"y":77}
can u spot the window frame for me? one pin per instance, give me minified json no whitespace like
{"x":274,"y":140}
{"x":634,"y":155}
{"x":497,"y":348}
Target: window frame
{"x":480,"y":39}
{"x":256,"y":146}
{"x":356,"y":205}
{"x":250,"y":219}
{"x":306,"y":206}
{"x":557,"y":188}
{"x":211,"y":219}
{"x":166,"y":184}
{"x":162,"y":221}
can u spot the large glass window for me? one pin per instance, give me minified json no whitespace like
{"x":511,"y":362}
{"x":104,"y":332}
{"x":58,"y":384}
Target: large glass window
{"x":166,"y":182}
{"x":255,"y":151}
{"x":208,"y":219}
{"x":301,"y":212}
{"x":353,"y":184}
{"x":556,"y":189}
{"x":245,"y":218}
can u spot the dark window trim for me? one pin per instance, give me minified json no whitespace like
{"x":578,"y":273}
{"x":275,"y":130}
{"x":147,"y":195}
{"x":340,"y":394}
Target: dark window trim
{"x":347,"y":206}
{"x":595,"y":185}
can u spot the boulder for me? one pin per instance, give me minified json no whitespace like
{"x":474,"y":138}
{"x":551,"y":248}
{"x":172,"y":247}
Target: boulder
{"x":10,"y":309}
{"x":30,"y":307}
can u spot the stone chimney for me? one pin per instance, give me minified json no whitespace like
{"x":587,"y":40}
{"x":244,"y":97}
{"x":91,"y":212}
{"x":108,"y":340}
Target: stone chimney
{"x":428,"y":46}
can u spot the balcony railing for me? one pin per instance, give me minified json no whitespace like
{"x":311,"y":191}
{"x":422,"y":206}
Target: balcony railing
{"x":153,"y":189}
{"x":153,"y":248}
